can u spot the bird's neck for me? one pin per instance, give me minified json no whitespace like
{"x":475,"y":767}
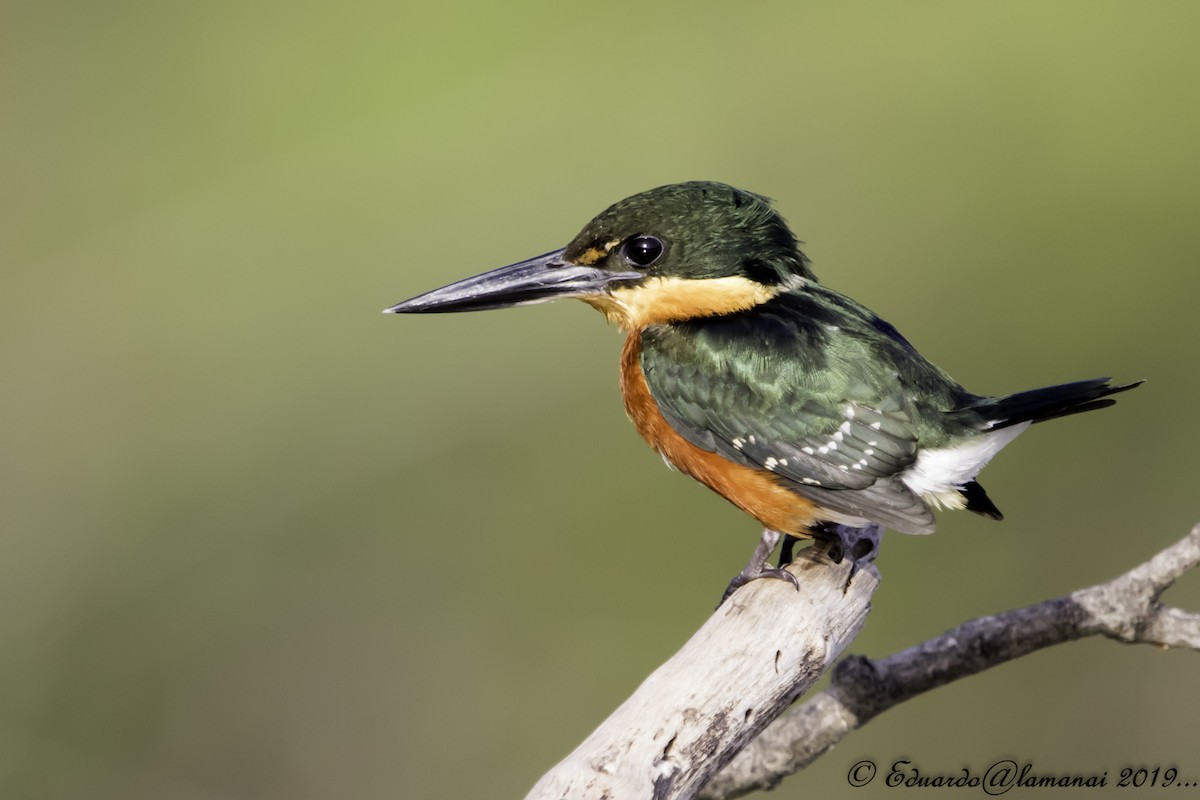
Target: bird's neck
{"x":662,"y":300}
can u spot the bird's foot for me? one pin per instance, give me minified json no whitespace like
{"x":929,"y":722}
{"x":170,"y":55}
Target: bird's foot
{"x":757,"y":567}
{"x":860,"y":544}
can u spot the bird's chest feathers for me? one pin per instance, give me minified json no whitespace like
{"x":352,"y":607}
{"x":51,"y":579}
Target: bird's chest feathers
{"x":755,"y":491}
{"x":639,"y":403}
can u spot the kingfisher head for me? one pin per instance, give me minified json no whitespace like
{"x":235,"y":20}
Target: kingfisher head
{"x":677,"y":252}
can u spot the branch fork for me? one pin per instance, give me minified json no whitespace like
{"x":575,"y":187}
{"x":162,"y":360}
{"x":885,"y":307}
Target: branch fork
{"x":714,"y":720}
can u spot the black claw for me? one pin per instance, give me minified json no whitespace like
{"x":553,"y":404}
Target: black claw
{"x":757,"y":567}
{"x":738,"y":582}
{"x":781,"y":574}
{"x":741,"y":579}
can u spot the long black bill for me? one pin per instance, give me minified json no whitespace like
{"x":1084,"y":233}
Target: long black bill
{"x":538,"y":280}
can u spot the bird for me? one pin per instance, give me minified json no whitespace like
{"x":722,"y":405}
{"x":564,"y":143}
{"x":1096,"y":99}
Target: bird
{"x":797,"y":404}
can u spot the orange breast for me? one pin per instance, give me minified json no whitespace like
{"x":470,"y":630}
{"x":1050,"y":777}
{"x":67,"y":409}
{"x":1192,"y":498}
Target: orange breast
{"x":755,"y":491}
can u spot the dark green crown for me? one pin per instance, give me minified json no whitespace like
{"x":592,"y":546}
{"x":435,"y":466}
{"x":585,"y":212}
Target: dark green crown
{"x":699,"y":229}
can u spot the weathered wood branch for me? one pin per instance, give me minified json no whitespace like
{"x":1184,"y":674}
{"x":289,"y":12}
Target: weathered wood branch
{"x":689,"y":730}
{"x":754,"y":656}
{"x":1126,"y":608}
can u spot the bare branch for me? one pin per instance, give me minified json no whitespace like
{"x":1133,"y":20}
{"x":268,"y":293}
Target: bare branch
{"x":1126,"y":608}
{"x":766,"y":645}
{"x":683,"y":727}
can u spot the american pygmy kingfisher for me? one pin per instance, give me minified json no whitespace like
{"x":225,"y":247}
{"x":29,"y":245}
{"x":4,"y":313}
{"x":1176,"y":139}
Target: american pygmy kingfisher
{"x":795,"y":403}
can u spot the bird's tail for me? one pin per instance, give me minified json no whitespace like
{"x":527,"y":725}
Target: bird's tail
{"x":1049,"y":402}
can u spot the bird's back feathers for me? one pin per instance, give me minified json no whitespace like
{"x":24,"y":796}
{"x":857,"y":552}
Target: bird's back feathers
{"x":839,"y":407}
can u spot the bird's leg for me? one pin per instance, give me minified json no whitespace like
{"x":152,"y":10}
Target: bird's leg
{"x":757,"y":567}
{"x":787,"y":549}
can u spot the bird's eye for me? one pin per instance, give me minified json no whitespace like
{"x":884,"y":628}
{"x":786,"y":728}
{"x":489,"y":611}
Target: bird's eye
{"x":642,"y":251}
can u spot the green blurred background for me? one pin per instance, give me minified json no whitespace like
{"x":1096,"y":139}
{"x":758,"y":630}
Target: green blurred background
{"x":261,"y":541}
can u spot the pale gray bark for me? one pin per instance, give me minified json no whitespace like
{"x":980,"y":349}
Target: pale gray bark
{"x":754,"y":656}
{"x":690,"y":729}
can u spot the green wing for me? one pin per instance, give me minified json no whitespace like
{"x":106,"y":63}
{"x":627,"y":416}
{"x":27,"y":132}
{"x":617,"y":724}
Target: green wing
{"x":811,"y":387}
